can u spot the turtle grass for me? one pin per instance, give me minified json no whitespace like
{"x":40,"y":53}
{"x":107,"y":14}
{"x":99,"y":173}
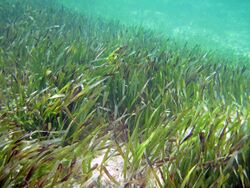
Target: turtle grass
{"x":74,"y":88}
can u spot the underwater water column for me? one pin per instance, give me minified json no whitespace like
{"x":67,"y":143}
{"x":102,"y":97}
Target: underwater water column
{"x":217,"y":25}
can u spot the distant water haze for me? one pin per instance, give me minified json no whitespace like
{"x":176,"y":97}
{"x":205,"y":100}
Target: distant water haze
{"x":214,"y":24}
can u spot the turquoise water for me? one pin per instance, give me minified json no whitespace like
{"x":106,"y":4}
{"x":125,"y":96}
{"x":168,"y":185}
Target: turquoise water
{"x":214,"y":24}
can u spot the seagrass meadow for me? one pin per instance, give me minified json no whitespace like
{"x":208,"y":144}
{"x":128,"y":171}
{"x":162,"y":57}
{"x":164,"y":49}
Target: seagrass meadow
{"x":90,"y":102}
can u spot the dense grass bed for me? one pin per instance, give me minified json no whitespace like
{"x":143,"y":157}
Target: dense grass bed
{"x":91,"y":103}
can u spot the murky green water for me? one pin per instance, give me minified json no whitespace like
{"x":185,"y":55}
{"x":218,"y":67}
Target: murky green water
{"x":215,"y":24}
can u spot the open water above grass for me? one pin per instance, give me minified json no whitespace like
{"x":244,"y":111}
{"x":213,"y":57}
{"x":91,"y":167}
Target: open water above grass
{"x":222,"y":25}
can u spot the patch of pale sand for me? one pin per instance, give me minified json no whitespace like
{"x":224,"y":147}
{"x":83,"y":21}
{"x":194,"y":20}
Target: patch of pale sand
{"x":114,"y":167}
